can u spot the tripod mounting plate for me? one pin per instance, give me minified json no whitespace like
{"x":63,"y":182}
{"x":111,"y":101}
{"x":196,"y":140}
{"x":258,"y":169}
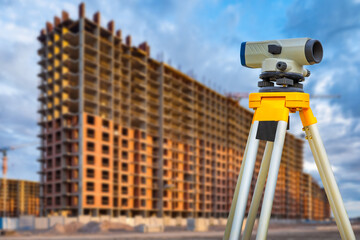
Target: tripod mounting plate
{"x":270,"y":106}
{"x":287,"y":81}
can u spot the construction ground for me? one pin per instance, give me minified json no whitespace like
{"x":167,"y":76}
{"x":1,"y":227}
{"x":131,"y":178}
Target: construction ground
{"x":105,"y":231}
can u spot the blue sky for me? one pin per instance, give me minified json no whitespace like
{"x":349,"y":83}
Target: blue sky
{"x":203,"y":37}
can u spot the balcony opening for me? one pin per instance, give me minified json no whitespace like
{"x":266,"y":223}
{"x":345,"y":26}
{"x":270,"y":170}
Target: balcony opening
{"x":90,"y":159}
{"x":105,"y":200}
{"x":90,"y":200}
{"x":105,"y":175}
{"x":90,"y":186}
{"x":105,"y":188}
{"x":105,"y":162}
{"x":90,"y":120}
{"x":90,"y":146}
{"x":90,"y":133}
{"x":90,"y":173}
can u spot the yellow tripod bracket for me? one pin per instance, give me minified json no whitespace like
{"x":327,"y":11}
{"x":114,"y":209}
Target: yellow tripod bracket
{"x":276,"y":106}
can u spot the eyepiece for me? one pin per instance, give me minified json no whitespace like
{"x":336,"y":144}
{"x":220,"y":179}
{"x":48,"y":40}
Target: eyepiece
{"x":313,"y":51}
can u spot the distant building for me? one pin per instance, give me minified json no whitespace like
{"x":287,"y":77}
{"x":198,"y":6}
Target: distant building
{"x":125,"y":134}
{"x":22,"y":198}
{"x":314,"y":203}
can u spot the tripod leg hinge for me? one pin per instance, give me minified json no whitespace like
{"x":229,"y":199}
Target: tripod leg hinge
{"x":307,"y":117}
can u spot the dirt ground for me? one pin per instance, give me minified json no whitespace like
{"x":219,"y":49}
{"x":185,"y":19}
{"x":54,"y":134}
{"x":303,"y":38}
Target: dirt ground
{"x":276,"y":231}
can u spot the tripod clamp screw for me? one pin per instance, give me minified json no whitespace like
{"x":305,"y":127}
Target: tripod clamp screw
{"x":282,"y":66}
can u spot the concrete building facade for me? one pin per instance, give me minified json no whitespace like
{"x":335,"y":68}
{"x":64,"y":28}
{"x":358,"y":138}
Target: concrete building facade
{"x":125,"y":134}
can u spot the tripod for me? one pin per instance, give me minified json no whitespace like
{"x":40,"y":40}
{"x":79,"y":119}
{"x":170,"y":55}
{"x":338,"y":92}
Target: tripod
{"x":270,"y":123}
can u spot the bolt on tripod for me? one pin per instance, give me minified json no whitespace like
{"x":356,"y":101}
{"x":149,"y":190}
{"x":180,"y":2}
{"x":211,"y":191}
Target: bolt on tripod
{"x":272,"y":106}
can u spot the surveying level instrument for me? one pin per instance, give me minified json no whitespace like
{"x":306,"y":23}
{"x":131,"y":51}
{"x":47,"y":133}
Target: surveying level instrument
{"x":281,"y":93}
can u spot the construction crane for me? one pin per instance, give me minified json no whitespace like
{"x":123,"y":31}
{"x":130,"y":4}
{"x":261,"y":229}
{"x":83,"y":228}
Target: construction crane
{"x":4,"y":151}
{"x":237,"y":96}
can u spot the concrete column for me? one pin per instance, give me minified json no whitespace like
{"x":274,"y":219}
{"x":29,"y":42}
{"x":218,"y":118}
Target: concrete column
{"x":160,"y":203}
{"x":81,"y":110}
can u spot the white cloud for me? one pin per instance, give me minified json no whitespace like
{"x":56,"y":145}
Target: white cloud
{"x":353,"y":208}
{"x":323,"y":82}
{"x":8,"y":90}
{"x":310,"y":167}
{"x":16,"y":33}
{"x":167,"y":27}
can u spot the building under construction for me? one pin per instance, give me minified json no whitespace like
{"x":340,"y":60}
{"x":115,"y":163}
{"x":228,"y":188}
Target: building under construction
{"x":22,"y":198}
{"x":314,"y":204}
{"x":125,"y":134}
